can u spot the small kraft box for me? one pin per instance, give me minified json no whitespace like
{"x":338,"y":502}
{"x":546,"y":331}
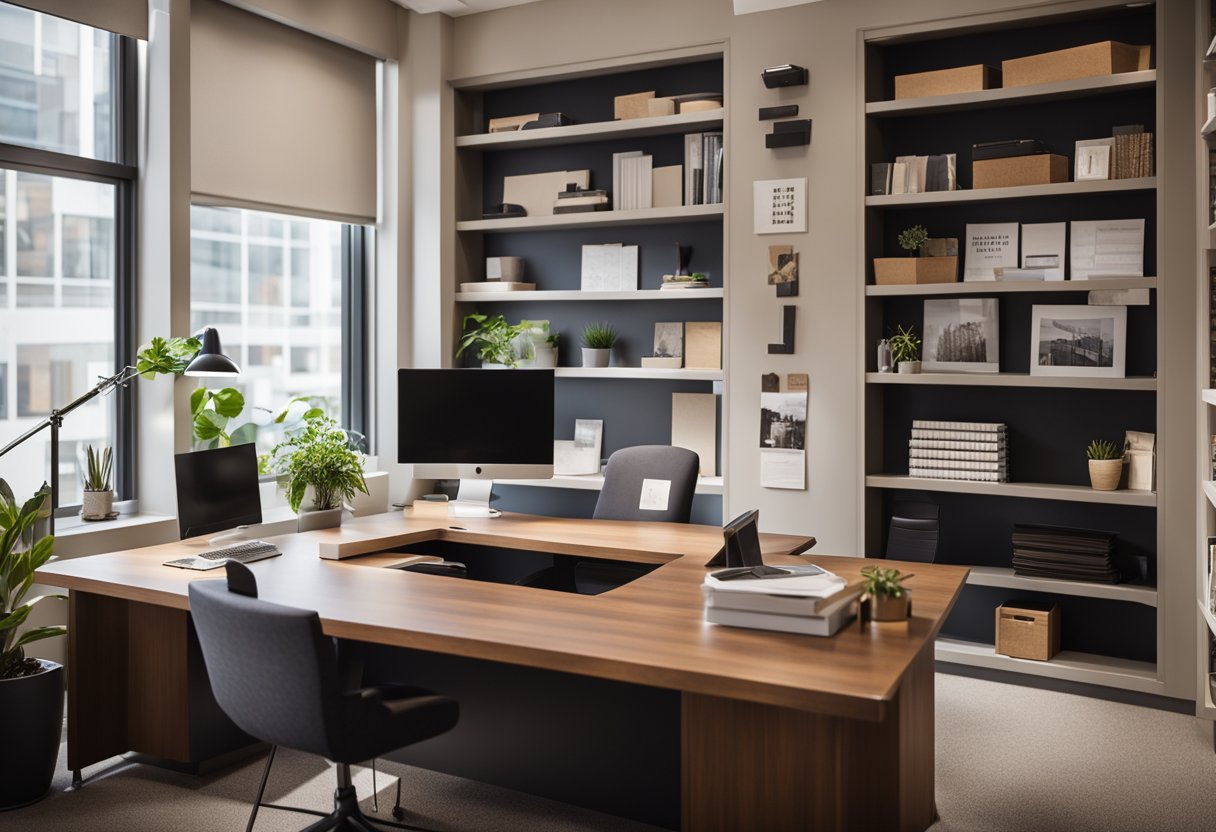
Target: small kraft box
{"x":634,"y":105}
{"x":1028,"y":630}
{"x":947,"y":81}
{"x":1039,"y":169}
{"x":1105,"y":58}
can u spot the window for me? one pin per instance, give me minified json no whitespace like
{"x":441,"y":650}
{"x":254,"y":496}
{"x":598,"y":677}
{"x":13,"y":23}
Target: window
{"x":274,"y":286}
{"x":65,"y":242}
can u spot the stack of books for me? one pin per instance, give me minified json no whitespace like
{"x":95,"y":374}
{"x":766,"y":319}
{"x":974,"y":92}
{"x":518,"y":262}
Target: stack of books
{"x":578,"y":200}
{"x":809,"y":604}
{"x":915,"y":175}
{"x":703,"y":154}
{"x":632,"y":180}
{"x":976,"y":451}
{"x":1133,"y":153}
{"x":680,"y":282}
{"x":1069,"y":554}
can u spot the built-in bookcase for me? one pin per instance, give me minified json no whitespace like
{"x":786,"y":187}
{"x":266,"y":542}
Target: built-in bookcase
{"x":1111,"y":633}
{"x":634,"y":403}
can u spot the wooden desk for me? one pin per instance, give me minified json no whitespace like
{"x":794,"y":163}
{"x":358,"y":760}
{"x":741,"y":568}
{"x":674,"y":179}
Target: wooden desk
{"x":777,"y":731}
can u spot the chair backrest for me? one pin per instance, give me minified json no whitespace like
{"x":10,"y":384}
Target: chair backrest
{"x":914,"y":530}
{"x":272,"y":669}
{"x":649,"y":482}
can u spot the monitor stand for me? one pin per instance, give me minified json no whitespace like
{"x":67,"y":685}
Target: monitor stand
{"x":231,"y":536}
{"x":473,"y":500}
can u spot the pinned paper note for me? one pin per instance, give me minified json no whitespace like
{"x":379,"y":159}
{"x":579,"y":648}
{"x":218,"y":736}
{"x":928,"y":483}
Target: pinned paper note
{"x":656,"y":495}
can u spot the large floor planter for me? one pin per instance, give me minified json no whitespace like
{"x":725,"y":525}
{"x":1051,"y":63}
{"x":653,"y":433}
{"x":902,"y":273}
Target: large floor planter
{"x":31,"y":720}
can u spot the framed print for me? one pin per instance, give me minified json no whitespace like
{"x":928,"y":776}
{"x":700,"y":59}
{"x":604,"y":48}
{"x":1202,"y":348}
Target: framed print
{"x":962,"y":335}
{"x":1078,"y":341}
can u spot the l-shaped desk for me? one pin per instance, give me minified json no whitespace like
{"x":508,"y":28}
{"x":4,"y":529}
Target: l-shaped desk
{"x":760,"y":730}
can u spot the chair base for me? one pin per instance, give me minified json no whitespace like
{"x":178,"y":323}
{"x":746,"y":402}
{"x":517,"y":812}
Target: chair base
{"x":348,"y":817}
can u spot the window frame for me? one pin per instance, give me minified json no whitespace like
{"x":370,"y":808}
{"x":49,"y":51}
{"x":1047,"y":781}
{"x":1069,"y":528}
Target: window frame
{"x":123,"y":175}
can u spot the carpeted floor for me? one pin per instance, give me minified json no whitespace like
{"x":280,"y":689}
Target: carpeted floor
{"x":1008,"y":758}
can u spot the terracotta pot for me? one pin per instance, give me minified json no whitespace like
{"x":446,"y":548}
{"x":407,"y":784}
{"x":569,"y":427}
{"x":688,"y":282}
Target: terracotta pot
{"x":1104,"y":474}
{"x":886,"y":608}
{"x":909,"y":367}
{"x":902,"y":271}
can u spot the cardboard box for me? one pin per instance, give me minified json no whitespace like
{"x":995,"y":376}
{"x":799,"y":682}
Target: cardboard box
{"x":635,"y":105}
{"x":1028,"y":630}
{"x":661,"y":107}
{"x":1106,"y":58}
{"x":904,"y":271}
{"x":947,"y":81}
{"x":509,"y":124}
{"x":1039,"y":169}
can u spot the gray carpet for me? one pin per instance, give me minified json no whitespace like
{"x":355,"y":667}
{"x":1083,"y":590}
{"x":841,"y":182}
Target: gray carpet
{"x":1008,"y":758}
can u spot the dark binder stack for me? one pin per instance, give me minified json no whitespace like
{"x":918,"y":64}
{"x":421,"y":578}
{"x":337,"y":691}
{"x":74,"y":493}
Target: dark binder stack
{"x":1064,"y":553}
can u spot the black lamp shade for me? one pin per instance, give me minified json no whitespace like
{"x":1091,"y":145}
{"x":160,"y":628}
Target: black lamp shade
{"x":211,"y":360}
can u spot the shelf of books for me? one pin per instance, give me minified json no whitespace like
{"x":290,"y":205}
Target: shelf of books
{"x":1010,"y":238}
{"x":593,"y":199}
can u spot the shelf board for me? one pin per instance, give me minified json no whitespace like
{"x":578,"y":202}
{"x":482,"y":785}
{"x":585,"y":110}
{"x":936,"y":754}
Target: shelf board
{"x":1056,"y":189}
{"x":1001,"y":287}
{"x":1003,"y":577}
{"x":1069,"y":666}
{"x":1012,"y":380}
{"x":595,"y":482}
{"x":597,"y":219}
{"x":1207,"y":616}
{"x":1075,"y":88}
{"x":578,"y":296}
{"x":1209,"y":491}
{"x":1026,"y":490}
{"x":1208,"y":395}
{"x":594,"y":132}
{"x":638,"y":373}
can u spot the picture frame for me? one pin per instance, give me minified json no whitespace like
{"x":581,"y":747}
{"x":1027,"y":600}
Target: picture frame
{"x":962,"y":335}
{"x":779,"y":205}
{"x":1093,"y":159}
{"x":1078,"y":341}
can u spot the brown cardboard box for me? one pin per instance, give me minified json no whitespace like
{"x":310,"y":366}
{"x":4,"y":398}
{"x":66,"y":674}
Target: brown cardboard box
{"x":902,"y":271}
{"x":636,"y":105}
{"x":1039,"y":169}
{"x":661,"y":107}
{"x":1028,"y":630}
{"x":947,"y":81}
{"x":1106,"y":58}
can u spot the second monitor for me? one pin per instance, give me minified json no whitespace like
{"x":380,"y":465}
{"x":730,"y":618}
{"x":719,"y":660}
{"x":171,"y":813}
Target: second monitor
{"x":476,"y":424}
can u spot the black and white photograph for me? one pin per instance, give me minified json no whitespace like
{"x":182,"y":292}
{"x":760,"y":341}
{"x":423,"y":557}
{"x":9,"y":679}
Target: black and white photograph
{"x":669,"y":339}
{"x":783,"y":420}
{"x":962,"y":335}
{"x":1078,"y":341}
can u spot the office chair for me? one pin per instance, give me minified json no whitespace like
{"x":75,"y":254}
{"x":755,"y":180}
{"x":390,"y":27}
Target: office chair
{"x":276,"y":675}
{"x":620,"y":498}
{"x":914,"y":531}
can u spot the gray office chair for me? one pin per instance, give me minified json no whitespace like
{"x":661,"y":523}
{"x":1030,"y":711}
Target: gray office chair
{"x":620,"y":499}
{"x":277,"y":677}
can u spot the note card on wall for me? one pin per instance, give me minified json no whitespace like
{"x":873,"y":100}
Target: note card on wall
{"x":779,"y":205}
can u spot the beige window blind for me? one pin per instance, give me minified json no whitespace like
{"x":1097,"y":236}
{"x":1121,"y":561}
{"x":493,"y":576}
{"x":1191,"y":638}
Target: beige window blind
{"x":126,"y":17}
{"x":279,"y":119}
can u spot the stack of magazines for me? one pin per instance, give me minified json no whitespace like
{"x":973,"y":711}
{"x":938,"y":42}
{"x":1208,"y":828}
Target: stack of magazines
{"x":1070,"y":554}
{"x":975,"y":451}
{"x":810,"y":601}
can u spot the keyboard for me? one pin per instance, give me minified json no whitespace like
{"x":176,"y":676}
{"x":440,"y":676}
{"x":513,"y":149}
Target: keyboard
{"x":246,"y":552}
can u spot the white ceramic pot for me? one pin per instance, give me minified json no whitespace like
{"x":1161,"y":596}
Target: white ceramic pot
{"x":310,"y":519}
{"x":909,"y":367}
{"x":596,"y":358}
{"x":544,"y":357}
{"x":375,"y":501}
{"x":97,"y":504}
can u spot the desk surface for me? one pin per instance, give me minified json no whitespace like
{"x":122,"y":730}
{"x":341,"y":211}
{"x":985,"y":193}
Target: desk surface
{"x":650,"y":631}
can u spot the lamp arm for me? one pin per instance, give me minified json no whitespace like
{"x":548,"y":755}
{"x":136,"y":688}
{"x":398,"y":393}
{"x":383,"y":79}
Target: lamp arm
{"x":104,"y":386}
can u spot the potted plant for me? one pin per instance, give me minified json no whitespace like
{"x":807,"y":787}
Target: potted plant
{"x":1105,"y":465}
{"x":545,"y":354}
{"x":31,"y":690}
{"x":598,"y":339}
{"x":919,"y":266}
{"x":889,"y":601}
{"x":98,"y":486}
{"x":320,"y":460}
{"x":905,"y":349}
{"x":494,"y":339}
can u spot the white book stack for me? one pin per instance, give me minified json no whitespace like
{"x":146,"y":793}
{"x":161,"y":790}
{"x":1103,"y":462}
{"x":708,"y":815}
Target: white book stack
{"x":975,"y":451}
{"x":632,"y":180}
{"x":809,"y":604}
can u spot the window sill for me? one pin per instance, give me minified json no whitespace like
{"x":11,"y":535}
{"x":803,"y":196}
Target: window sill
{"x":76,"y":538}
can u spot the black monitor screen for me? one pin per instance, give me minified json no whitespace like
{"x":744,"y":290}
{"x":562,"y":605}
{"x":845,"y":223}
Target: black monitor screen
{"x":496,"y":417}
{"x":217,"y":490}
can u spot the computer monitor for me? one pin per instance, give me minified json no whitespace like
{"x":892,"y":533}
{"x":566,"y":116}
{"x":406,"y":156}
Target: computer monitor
{"x":476,"y":424}
{"x":217,"y":490}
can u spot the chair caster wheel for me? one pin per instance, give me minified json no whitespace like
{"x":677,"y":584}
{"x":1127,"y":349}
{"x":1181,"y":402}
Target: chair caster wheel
{"x":398,"y":813}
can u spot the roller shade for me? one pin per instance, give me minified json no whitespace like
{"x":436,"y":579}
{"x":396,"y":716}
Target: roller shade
{"x":125,"y":17}
{"x":280,"y":119}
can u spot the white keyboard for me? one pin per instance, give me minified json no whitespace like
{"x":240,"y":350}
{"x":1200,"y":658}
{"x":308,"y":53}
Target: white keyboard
{"x":245,"y":552}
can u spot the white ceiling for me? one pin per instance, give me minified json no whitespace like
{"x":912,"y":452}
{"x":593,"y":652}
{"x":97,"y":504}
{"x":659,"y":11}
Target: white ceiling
{"x":458,"y":8}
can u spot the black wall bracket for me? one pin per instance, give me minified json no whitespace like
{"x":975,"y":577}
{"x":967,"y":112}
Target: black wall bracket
{"x":786,"y":347}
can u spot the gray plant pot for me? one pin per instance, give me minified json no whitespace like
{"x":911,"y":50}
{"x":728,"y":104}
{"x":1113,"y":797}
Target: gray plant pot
{"x":97,"y":505}
{"x":310,"y":519}
{"x":909,"y":367}
{"x":596,"y":358}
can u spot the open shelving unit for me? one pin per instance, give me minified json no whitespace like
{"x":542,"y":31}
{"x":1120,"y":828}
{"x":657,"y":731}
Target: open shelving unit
{"x":633,"y":412}
{"x":1047,"y":461}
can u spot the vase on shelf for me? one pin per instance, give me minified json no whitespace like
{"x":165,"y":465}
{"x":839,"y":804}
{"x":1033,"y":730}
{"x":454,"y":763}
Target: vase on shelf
{"x":596,"y":357}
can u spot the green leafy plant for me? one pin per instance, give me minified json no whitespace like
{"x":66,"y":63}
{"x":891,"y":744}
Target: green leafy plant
{"x":1103,"y":449}
{"x":883,"y":582}
{"x":599,"y":336}
{"x":554,"y":339}
{"x":319,"y":455}
{"x":166,"y":356}
{"x":904,"y":344}
{"x":20,"y":557}
{"x":911,"y":239}
{"x":492,"y":336}
{"x":210,"y":413}
{"x":99,"y":464}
